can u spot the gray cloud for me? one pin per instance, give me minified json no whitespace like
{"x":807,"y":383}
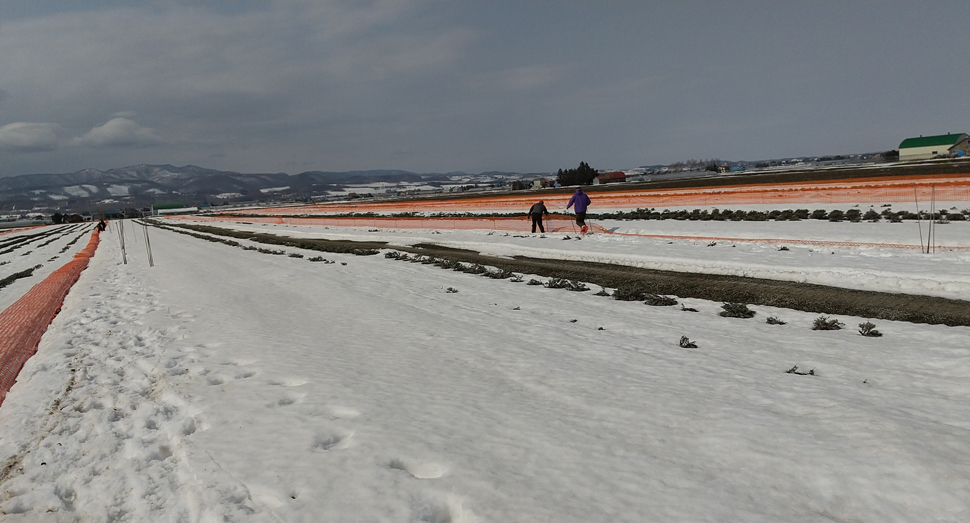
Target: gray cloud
{"x":118,"y":132}
{"x":474,"y":85}
{"x":28,"y":137}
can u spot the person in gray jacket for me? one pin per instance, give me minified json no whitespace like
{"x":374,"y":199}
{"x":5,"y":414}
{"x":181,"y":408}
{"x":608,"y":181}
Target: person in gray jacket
{"x":536,"y":213}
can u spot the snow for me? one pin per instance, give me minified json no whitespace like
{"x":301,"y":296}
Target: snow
{"x":77,"y":191}
{"x":231,"y":385}
{"x":119,"y":190}
{"x":274,"y":189}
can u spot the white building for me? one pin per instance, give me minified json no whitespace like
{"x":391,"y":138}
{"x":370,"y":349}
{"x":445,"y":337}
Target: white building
{"x":926,"y":147}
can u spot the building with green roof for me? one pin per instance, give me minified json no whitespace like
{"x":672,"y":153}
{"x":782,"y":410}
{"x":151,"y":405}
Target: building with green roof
{"x":925,"y":147}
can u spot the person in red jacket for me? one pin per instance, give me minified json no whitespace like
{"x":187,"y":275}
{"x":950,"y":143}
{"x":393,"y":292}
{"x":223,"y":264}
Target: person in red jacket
{"x":536,"y":213}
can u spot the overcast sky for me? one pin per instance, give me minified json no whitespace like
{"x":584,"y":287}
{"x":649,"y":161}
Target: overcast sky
{"x":473,"y":86}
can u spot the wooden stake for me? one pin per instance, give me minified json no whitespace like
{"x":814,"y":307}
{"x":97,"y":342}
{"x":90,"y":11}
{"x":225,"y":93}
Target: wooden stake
{"x":916,"y":196}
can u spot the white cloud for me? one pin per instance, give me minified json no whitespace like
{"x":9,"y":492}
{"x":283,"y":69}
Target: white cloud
{"x":28,"y":137}
{"x":118,"y":132}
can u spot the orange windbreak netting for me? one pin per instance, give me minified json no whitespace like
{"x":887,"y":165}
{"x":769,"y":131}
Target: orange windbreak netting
{"x":953,"y":188}
{"x":20,"y":229}
{"x":944,"y":188}
{"x":522,"y":224}
{"x":23,"y":323}
{"x":552,"y":224}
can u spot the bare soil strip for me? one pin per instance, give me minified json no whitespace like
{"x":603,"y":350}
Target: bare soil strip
{"x":736,"y":289}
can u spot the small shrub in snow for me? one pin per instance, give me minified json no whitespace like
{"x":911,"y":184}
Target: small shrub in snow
{"x":687,"y":309}
{"x":783,"y":248}
{"x":534,"y":281}
{"x":736,"y":310}
{"x":659,"y":300}
{"x":500,"y":274}
{"x":295,"y":255}
{"x":476,"y":269}
{"x":516,"y":278}
{"x":869,"y":329}
{"x":451,"y":290}
{"x":428,"y":260}
{"x":563,"y":283}
{"x":794,"y":370}
{"x":823,"y":323}
{"x":712,"y":244}
{"x":365,"y":252}
{"x":630,"y":293}
{"x":772,"y":320}
{"x":686,"y":343}
{"x":602,"y":292}
{"x":446,"y":263}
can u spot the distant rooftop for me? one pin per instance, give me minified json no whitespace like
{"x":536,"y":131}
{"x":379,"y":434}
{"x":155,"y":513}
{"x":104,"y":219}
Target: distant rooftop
{"x":929,"y":141}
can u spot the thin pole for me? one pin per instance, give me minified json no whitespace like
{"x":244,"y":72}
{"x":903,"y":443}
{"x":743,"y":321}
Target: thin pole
{"x":933,"y":215}
{"x":148,"y":245}
{"x":916,"y":196}
{"x":121,"y":235}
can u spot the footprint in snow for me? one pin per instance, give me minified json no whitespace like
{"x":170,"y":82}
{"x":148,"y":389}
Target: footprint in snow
{"x":343,"y":412}
{"x":216,"y":380}
{"x":439,"y":511}
{"x":288,"y":382}
{"x":418,"y":469}
{"x":333,"y":440}
{"x":288,"y":399}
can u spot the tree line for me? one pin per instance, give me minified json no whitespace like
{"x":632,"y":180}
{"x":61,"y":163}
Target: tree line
{"x":582,"y":175}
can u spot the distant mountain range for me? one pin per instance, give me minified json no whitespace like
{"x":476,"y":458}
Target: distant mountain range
{"x":141,"y":185}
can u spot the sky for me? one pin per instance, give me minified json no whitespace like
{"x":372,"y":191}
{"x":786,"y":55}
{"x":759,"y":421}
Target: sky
{"x":474,"y":86}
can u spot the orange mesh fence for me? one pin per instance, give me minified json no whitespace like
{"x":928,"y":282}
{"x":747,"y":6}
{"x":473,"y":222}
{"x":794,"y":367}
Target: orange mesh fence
{"x":20,"y":229}
{"x":23,"y":323}
{"x":511,"y":223}
{"x":951,"y":188}
{"x":552,"y":224}
{"x":790,"y":241}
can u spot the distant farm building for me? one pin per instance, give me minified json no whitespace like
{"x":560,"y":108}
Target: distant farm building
{"x":542,"y":183}
{"x":610,"y":177}
{"x":926,"y":147}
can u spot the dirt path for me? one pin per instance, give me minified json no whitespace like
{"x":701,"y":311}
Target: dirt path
{"x":752,"y":291}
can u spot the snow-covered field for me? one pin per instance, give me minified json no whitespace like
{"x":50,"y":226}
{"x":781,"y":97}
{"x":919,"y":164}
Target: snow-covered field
{"x":231,"y":385}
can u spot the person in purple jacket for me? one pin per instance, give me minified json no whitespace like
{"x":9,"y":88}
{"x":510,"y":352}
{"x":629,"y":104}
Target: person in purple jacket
{"x":581,"y":201}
